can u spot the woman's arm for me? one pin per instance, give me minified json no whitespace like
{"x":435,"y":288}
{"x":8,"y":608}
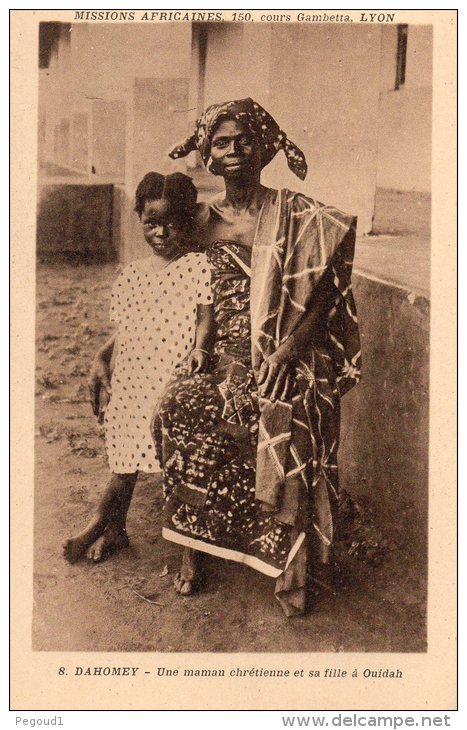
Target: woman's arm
{"x":276,"y":378}
{"x":312,"y":328}
{"x":204,"y":326}
{"x":205,"y":330}
{"x":101,"y":372}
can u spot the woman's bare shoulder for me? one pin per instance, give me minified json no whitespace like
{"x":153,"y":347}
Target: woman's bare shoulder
{"x":208,"y":219}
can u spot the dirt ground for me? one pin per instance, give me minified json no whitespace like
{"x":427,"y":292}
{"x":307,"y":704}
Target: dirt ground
{"x":128,"y":603}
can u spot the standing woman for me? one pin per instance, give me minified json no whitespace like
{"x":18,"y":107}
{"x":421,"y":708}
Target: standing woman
{"x":249,"y":449}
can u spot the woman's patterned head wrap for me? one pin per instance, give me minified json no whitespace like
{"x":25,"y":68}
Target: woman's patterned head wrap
{"x":261,"y":125}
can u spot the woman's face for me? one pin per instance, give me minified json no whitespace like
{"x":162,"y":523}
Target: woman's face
{"x":234,"y":151}
{"x":161,"y":231}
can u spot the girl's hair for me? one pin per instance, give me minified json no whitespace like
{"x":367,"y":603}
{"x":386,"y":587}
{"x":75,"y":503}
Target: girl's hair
{"x":177,"y":189}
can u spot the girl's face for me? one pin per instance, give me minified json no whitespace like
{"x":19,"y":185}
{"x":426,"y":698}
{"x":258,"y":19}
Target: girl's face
{"x":161,"y":231}
{"x":234,"y":151}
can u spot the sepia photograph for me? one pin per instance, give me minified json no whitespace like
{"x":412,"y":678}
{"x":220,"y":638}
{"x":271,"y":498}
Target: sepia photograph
{"x":232,"y":336}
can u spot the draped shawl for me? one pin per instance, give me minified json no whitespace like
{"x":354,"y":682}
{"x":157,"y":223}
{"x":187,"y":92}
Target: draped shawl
{"x":300,"y":242}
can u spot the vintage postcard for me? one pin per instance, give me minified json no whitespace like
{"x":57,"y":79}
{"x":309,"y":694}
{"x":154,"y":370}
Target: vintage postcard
{"x":233,"y":260}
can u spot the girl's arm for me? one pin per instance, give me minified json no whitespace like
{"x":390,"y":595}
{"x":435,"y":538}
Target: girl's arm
{"x":113,"y":355}
{"x":205,"y":330}
{"x":101,"y":372}
{"x":105,"y":352}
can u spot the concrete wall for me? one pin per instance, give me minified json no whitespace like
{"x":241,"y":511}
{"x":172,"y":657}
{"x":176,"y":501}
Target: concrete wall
{"x":108,"y":133}
{"x":404,"y":130}
{"x":384,"y":436}
{"x":75,"y":223}
{"x":332,"y":89}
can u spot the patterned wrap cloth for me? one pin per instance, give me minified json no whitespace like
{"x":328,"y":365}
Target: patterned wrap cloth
{"x":270,"y":137}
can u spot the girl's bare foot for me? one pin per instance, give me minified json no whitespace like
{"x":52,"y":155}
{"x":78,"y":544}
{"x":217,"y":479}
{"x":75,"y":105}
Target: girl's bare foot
{"x":112,"y":541}
{"x":74,"y":548}
{"x":187,"y":580}
{"x":105,"y":533}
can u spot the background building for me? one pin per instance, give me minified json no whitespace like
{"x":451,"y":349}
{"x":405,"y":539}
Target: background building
{"x":357,"y":99}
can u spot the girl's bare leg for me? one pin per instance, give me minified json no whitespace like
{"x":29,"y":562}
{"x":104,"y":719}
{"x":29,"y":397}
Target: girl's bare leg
{"x":106,"y":532}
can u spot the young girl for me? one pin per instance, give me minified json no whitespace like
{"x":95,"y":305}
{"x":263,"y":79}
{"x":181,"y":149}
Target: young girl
{"x":162,"y":306}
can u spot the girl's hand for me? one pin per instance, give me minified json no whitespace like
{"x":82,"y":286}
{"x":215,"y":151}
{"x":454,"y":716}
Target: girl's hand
{"x":198,"y":361}
{"x":99,"y":377}
{"x":276,"y":378}
{"x":104,"y":399}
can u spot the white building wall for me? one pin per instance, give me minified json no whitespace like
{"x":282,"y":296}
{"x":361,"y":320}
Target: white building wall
{"x":404,"y":130}
{"x":89,"y":87}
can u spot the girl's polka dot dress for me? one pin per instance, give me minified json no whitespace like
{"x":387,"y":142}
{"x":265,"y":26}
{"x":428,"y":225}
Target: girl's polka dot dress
{"x":156,"y":316}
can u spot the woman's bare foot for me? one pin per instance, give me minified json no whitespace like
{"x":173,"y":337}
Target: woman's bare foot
{"x":112,"y":541}
{"x":187,"y":580}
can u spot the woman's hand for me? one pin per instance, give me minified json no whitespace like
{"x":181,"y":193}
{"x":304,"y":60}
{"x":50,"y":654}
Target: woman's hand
{"x":99,"y":378}
{"x":198,"y":361}
{"x":276,"y":378}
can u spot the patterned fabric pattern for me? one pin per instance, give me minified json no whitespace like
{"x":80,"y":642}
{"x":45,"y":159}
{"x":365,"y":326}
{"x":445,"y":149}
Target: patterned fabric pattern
{"x":262,"y":126}
{"x":201,"y":435}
